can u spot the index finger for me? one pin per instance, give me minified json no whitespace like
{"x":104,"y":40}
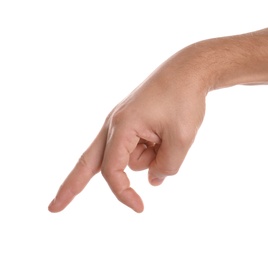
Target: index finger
{"x":87,"y":166}
{"x":119,"y":146}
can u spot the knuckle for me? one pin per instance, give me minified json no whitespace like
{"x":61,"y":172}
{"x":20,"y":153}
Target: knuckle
{"x":72,"y":191}
{"x":167,"y":171}
{"x":105,"y":169}
{"x":186,"y":137}
{"x":134,"y":166}
{"x":82,"y":161}
{"x":116,"y":118}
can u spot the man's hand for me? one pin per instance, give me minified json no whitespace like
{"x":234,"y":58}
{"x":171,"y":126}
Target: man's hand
{"x":154,"y":127}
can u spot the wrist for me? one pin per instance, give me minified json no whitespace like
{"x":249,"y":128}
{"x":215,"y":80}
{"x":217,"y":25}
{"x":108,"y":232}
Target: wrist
{"x":229,"y":61}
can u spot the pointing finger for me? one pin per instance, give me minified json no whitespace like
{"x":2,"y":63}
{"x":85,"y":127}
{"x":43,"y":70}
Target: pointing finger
{"x":87,"y":166}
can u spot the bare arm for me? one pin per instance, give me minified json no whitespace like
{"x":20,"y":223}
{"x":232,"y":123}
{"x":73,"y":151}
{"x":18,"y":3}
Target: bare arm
{"x":154,"y":127}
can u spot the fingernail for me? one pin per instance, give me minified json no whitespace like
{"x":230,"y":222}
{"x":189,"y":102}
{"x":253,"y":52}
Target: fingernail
{"x":156,"y":181}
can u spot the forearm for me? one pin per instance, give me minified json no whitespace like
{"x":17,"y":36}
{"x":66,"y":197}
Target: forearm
{"x":240,"y":59}
{"x":226,"y":61}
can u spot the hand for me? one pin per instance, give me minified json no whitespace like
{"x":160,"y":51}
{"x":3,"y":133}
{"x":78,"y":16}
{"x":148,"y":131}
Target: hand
{"x":152,"y":128}
{"x":156,"y":124}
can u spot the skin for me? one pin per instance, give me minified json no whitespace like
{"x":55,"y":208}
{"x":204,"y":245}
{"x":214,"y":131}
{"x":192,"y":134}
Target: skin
{"x":154,"y":127}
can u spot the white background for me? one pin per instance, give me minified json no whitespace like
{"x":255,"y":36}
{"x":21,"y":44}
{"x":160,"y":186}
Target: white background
{"x":63,"y":66}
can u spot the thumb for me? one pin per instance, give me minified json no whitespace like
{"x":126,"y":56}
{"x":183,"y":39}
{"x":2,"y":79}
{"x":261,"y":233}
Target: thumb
{"x":169,"y":158}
